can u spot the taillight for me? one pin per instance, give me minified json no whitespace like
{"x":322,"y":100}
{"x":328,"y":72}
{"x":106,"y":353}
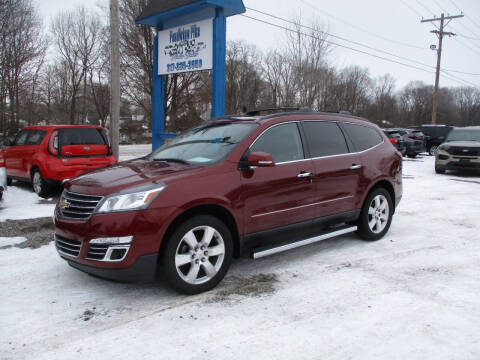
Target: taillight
{"x":393,"y":141}
{"x":53,"y":143}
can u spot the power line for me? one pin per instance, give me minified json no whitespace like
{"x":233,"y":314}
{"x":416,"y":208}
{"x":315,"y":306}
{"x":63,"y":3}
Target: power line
{"x":451,"y":77}
{"x":351,"y":41}
{"x":411,"y":8}
{"x":361,"y":29}
{"x":468,"y":17}
{"x":455,"y":39}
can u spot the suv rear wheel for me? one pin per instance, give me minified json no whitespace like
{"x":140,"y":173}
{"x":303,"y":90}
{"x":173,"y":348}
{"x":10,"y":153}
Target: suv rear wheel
{"x":40,"y":186}
{"x":198,"y":254}
{"x":376,"y":215}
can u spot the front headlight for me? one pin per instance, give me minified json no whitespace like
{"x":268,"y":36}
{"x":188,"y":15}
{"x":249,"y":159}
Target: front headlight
{"x":130,"y":201}
{"x":444,"y":147}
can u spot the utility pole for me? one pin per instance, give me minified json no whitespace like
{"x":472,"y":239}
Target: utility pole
{"x":440,"y":33}
{"x":115,"y":77}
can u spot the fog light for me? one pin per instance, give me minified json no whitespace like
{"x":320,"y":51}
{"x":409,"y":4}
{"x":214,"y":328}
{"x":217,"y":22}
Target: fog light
{"x":442,"y":157}
{"x":116,"y":253}
{"x":113,"y":240}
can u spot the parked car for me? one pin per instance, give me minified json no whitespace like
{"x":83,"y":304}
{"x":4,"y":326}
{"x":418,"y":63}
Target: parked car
{"x":48,"y":155}
{"x":397,"y":140}
{"x":460,"y":151}
{"x":435,"y":135}
{"x":258,"y":184}
{"x":414,"y":141}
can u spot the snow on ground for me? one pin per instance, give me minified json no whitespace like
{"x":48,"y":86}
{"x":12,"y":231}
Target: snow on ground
{"x":20,"y":202}
{"x":33,"y":207}
{"x":412,"y":295}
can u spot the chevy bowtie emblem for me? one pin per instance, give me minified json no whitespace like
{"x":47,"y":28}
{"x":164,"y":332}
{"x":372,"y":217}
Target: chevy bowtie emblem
{"x":64,"y":204}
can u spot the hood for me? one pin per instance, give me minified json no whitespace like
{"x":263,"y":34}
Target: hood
{"x":124,"y":175}
{"x":462,"y":143}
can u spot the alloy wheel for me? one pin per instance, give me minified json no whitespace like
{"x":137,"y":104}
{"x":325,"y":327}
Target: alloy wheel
{"x":200,"y":255}
{"x":378,"y":214}
{"x":37,"y":182}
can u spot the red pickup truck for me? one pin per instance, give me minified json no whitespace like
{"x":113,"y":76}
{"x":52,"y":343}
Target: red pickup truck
{"x":48,"y":155}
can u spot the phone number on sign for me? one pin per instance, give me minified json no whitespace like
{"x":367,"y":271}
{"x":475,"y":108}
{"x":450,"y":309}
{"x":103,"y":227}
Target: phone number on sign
{"x":185,"y":65}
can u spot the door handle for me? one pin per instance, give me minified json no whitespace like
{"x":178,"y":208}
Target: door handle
{"x":355,"y":167}
{"x":304,"y":175}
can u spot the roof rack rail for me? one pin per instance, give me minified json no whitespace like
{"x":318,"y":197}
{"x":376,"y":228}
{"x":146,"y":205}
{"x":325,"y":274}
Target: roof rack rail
{"x":286,"y":109}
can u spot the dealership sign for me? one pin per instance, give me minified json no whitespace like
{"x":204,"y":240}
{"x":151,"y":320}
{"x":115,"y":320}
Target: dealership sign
{"x":186,"y":48}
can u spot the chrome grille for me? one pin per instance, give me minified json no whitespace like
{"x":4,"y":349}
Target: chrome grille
{"x":78,"y":206}
{"x":464,"y":151}
{"x":97,"y":251}
{"x":67,"y":246}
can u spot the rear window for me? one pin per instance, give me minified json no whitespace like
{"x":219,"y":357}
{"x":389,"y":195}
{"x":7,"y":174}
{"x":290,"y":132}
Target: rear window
{"x":363,"y":137}
{"x":325,"y":138}
{"x":80,"y":136}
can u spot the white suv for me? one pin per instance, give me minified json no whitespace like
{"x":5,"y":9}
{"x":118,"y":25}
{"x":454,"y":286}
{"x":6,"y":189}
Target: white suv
{"x":460,"y":151}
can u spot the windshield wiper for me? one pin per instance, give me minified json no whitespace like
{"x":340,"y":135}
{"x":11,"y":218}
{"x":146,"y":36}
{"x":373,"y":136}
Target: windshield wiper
{"x":174,"y":160}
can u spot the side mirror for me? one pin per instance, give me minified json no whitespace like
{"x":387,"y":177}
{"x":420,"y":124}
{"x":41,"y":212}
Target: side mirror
{"x":260,"y":159}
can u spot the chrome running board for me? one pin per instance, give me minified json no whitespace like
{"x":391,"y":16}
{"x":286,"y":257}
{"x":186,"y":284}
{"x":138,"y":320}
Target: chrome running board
{"x":257,"y":254}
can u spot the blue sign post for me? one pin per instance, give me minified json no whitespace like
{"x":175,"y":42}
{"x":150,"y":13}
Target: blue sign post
{"x":176,"y":21}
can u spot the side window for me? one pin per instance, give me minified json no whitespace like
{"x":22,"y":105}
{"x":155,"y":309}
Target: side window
{"x":363,"y":137}
{"x":21,"y":138}
{"x":35,"y":137}
{"x":325,"y":138}
{"x":283,"y":142}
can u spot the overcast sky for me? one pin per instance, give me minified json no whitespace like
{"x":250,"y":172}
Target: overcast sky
{"x":392,"y":26}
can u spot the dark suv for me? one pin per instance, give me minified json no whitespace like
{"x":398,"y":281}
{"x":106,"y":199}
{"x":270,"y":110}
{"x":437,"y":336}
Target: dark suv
{"x":258,"y":184}
{"x":435,"y":135}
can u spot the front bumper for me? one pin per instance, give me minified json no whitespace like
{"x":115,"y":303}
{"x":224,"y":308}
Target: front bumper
{"x":445,"y":161}
{"x":143,"y":270}
{"x":147,"y":227}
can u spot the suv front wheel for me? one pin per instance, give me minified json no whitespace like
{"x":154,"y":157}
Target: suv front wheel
{"x":376,"y":215}
{"x":198,"y":254}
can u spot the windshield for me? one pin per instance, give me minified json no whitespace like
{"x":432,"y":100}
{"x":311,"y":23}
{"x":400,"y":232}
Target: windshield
{"x":206,"y":144}
{"x":464,"y":135}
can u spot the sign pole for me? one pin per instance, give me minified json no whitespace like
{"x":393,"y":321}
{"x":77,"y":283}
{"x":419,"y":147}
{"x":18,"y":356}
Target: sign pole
{"x":158,"y":101}
{"x":219,"y":63}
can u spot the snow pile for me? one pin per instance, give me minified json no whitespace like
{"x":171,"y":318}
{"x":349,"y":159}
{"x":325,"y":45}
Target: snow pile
{"x":20,"y":202}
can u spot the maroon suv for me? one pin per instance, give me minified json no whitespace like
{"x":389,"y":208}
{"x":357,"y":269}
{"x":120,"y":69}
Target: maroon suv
{"x":259,"y":184}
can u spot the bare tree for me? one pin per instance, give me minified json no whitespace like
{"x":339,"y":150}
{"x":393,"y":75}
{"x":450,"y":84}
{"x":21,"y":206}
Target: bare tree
{"x":468,"y":103}
{"x":244,"y":83}
{"x":22,"y":50}
{"x":77,"y":36}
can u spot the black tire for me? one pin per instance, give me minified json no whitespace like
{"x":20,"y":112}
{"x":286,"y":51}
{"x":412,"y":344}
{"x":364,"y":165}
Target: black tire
{"x":432,"y":151}
{"x":439,"y":170}
{"x":39,"y":185}
{"x":365,"y":231}
{"x":9,"y":181}
{"x":178,"y":246}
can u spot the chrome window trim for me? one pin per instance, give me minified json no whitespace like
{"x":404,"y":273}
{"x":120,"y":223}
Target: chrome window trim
{"x":319,"y":157}
{"x":302,"y":206}
{"x":275,"y":125}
